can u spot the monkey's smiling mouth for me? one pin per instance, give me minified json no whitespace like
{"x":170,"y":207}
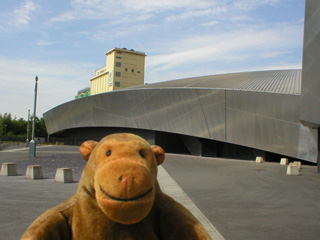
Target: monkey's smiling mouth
{"x":126,"y":199}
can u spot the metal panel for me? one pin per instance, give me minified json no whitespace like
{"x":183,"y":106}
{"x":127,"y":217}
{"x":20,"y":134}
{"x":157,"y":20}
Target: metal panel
{"x":172,"y":110}
{"x":240,"y":127}
{"x":310,"y":99}
{"x":281,"y":106}
{"x":280,"y":81}
{"x":277,"y":81}
{"x":213,"y":104}
{"x":269,"y":122}
{"x":275,"y":135}
{"x":271,"y":134}
{"x":307,"y":145}
{"x":265,"y":121}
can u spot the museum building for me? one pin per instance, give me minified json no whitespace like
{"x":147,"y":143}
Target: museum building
{"x":240,"y":115}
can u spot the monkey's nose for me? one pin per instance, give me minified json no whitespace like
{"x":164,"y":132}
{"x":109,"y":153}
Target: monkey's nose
{"x":124,"y":178}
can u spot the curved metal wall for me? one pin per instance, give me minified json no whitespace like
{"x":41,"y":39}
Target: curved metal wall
{"x":266,"y":121}
{"x":310,"y":97}
{"x":153,"y":109}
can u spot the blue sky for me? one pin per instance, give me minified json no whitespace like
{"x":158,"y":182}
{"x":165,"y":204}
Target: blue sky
{"x":64,"y":41}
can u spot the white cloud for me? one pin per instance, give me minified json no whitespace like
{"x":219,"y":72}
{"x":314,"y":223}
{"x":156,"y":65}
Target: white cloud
{"x":58,"y":83}
{"x":21,"y":16}
{"x":65,"y":17}
{"x":251,"y":4}
{"x":250,"y":45}
{"x":18,"y":18}
{"x":195,"y":13}
{"x":120,"y":32}
{"x":43,"y":43}
{"x":209,"y":24}
{"x":241,"y":18}
{"x":138,"y":10}
{"x":156,"y":5}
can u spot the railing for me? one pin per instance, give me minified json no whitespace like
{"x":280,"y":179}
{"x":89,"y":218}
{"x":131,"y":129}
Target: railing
{"x":14,"y":140}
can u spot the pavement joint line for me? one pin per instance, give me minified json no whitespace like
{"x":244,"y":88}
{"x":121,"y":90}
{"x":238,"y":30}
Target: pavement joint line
{"x":171,"y":187}
{"x":23,"y":149}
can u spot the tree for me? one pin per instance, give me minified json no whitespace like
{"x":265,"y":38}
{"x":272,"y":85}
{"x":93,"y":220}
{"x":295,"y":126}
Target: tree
{"x":18,"y":127}
{"x":41,"y":130}
{"x":5,"y":123}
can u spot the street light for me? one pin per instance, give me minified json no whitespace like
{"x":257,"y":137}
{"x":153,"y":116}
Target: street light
{"x":32,"y":148}
{"x":28,"y":130}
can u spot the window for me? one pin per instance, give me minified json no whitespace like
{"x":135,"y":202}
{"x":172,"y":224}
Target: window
{"x":126,"y":69}
{"x":138,"y":71}
{"x":118,"y":52}
{"x":118,"y":74}
{"x":117,"y":84}
{"x":118,"y":57}
{"x":132,"y":70}
{"x":118,"y":64}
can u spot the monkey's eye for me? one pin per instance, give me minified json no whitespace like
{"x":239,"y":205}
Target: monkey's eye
{"x":108,"y":152}
{"x":142,"y":154}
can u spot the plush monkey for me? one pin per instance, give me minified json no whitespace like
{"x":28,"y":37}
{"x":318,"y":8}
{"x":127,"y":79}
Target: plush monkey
{"x":118,"y":198}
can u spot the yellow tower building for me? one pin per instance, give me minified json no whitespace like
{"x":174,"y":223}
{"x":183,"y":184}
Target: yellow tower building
{"x":124,"y":68}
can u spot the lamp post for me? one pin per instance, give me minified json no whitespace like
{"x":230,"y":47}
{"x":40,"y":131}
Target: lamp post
{"x":28,"y":130}
{"x":32,"y":148}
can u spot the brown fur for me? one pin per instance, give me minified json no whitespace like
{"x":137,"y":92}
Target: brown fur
{"x":118,"y":198}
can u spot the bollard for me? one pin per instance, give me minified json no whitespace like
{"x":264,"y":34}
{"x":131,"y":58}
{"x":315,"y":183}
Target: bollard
{"x":64,"y":175}
{"x":298,"y":163}
{"x":259,"y":160}
{"x":293,"y":169}
{"x":34,"y":172}
{"x":8,"y":169}
{"x":284,"y":161}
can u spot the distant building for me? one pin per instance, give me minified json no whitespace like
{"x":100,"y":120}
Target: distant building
{"x":83,"y":93}
{"x":124,"y":68}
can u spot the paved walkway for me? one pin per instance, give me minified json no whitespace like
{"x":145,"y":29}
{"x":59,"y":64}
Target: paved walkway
{"x":235,"y":200}
{"x":245,"y":200}
{"x":171,"y":188}
{"x":22,"y":200}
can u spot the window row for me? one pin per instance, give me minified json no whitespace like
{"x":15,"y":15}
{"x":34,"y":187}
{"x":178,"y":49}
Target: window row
{"x":118,"y":64}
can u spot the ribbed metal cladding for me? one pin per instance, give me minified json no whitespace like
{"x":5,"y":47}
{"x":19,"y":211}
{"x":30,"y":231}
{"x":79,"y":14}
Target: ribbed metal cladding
{"x":276,"y":81}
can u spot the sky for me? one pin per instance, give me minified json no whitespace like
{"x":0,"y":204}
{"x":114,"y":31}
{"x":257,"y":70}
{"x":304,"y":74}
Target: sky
{"x":63,"y":42}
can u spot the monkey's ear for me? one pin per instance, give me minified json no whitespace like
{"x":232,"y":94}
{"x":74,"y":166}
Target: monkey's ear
{"x":86,"y":148}
{"x":159,"y":153}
